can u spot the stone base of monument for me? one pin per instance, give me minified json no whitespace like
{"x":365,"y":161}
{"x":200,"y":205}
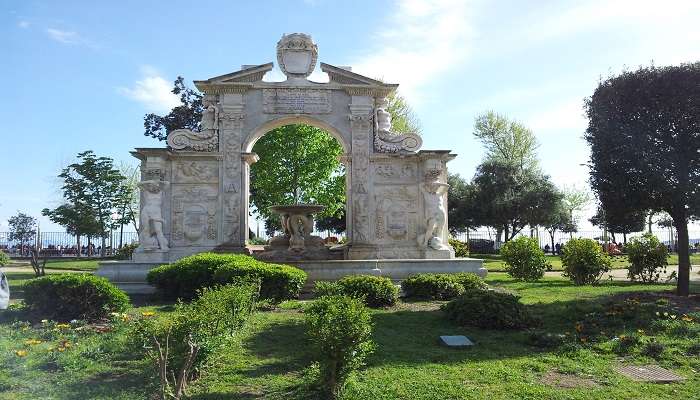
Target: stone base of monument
{"x":130,"y":276}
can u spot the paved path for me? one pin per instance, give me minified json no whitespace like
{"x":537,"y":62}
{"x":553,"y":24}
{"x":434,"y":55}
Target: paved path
{"x":29,"y":269}
{"x":621,"y":273}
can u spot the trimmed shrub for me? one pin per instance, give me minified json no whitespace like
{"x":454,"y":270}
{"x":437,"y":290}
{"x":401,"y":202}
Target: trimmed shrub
{"x":4,"y":259}
{"x":126,"y":252}
{"x":64,"y":297}
{"x":376,"y":291}
{"x":461,"y":248}
{"x":183,"y":278}
{"x":323,"y":288}
{"x":488,"y":309}
{"x":441,"y":286}
{"x":647,"y":257}
{"x":524,"y":259}
{"x":182,"y":341}
{"x":277,"y":282}
{"x":584,"y":261}
{"x":340,"y":328}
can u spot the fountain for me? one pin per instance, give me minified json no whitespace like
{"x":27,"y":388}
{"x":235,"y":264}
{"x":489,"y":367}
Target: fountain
{"x":296,"y":243}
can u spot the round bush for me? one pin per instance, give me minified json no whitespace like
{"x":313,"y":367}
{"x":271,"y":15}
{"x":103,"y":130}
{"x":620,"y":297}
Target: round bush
{"x":277,"y":282}
{"x":377,"y":291}
{"x":64,"y":297}
{"x":323,"y":288}
{"x":524,"y":259}
{"x":584,"y":261}
{"x":183,"y":278}
{"x":488,"y":309}
{"x":647,"y":257}
{"x":441,"y":286}
{"x":461,"y":248}
{"x":4,"y":259}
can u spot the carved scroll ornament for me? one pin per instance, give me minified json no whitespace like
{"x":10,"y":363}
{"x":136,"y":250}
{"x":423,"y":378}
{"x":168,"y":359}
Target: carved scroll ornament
{"x":386,"y":141}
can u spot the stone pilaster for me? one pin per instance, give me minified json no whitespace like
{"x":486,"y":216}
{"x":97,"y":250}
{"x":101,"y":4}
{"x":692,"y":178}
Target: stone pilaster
{"x":232,"y":174}
{"x":361,"y":117}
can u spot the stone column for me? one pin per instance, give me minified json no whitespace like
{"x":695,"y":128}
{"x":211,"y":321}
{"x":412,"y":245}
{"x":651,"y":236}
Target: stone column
{"x":232,"y":176}
{"x":248,"y":160}
{"x":358,"y":218}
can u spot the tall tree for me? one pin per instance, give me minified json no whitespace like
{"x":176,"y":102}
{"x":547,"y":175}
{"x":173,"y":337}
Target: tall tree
{"x":461,"y":208}
{"x":575,"y":201}
{"x":644,"y":133}
{"x":93,"y":183}
{"x":298,"y":164}
{"x":188,"y":115}
{"x":128,"y":199}
{"x":508,"y":198}
{"x":22,"y":228}
{"x":403,"y":119}
{"x":506,"y":140}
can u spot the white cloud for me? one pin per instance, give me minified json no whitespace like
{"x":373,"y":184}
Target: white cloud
{"x":65,"y":37}
{"x":422,"y":39}
{"x":153,"y":91}
{"x":23,"y":24}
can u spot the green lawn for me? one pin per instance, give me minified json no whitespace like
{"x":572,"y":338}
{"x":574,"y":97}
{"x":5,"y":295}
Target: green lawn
{"x":269,"y":360}
{"x":494,"y":262}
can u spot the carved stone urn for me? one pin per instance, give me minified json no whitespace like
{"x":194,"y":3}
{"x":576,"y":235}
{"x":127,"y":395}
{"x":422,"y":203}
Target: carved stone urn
{"x":296,"y":243}
{"x":296,"y":55}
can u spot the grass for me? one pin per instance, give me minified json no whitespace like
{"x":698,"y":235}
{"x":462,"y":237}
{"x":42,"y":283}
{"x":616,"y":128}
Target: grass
{"x":88,"y":265}
{"x":494,"y":262}
{"x":271,"y":358}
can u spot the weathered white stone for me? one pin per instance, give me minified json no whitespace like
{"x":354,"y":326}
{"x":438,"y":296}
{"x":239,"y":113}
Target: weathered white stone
{"x":396,"y":193}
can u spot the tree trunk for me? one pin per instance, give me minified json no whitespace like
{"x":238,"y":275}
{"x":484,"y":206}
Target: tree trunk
{"x":551,"y":235}
{"x":505,"y":233}
{"x":683,"y":286}
{"x":77,"y":244}
{"x":624,"y":238}
{"x":103,"y":243}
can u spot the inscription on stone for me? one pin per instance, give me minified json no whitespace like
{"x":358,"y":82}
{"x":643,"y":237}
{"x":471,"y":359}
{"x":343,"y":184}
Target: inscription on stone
{"x":296,"y":101}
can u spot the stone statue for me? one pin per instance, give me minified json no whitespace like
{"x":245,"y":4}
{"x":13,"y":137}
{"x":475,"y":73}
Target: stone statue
{"x":435,"y":215}
{"x":4,"y":292}
{"x":386,"y":141}
{"x":151,"y":235}
{"x":210,"y":116}
{"x":297,"y":226}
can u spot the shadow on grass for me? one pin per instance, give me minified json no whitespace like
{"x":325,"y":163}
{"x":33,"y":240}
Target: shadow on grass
{"x":284,"y":342}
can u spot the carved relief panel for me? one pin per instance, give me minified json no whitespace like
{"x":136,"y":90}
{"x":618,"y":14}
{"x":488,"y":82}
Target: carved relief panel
{"x":232,"y":125}
{"x":360,"y":124}
{"x":194,"y":214}
{"x":397,"y":210}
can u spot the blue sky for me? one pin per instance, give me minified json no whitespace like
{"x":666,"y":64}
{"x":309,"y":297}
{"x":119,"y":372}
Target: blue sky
{"x":81,"y":75}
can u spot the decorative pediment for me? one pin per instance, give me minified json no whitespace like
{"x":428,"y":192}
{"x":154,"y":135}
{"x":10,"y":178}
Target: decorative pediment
{"x":347,"y":77}
{"x":245,"y":76}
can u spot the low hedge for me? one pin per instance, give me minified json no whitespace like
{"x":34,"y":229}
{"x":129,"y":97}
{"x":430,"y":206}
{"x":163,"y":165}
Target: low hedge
{"x":64,"y":297}
{"x":441,"y":286}
{"x":376,"y":291}
{"x":489,"y":309}
{"x":183,"y":278}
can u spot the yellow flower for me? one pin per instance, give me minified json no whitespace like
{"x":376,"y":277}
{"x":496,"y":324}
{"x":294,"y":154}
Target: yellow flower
{"x":66,"y":345}
{"x":31,"y":342}
{"x":63,"y":326}
{"x":148,"y":313}
{"x":686,"y":318}
{"x":640,"y":331}
{"x":61,"y":349}
{"x":21,"y":353}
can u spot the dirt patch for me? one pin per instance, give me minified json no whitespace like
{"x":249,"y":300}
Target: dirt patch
{"x":567,"y":381}
{"x":407,"y":305}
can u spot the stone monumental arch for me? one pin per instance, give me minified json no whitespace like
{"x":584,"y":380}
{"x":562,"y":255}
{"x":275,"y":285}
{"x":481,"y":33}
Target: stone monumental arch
{"x":194,"y":193}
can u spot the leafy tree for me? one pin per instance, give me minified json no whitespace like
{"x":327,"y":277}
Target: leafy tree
{"x":78,"y":219}
{"x":188,"y":115}
{"x":128,"y":199}
{"x":574,"y":201}
{"x":403,"y":119}
{"x":508,"y":198}
{"x":94,"y":184}
{"x":643,"y":132}
{"x":559,"y":220}
{"x":334,"y":223}
{"x":619,"y":221}
{"x":22,"y":228}
{"x":506,"y":141}
{"x":460,"y":204}
{"x":298,"y":164}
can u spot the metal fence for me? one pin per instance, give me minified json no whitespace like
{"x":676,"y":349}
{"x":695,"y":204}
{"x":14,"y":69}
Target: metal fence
{"x":62,"y":244}
{"x":485,"y":238}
